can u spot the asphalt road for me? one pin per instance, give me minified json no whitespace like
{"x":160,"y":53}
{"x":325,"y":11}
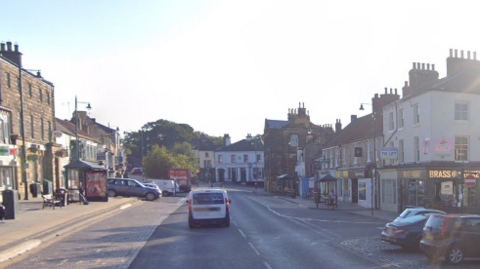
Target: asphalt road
{"x":266,"y":232}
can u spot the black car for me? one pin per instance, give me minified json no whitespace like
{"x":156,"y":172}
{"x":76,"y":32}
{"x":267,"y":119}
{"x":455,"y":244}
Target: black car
{"x":454,"y":237}
{"x":406,"y":233}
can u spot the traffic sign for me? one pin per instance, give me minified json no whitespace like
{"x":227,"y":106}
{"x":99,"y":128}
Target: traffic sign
{"x":470,"y":181}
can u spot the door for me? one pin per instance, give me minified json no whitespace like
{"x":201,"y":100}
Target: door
{"x":354,"y":190}
{"x":221,"y":175}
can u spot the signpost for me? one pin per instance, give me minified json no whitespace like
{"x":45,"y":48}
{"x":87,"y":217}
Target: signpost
{"x":470,"y":181}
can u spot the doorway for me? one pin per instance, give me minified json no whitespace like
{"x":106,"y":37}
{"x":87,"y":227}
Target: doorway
{"x":354,"y":190}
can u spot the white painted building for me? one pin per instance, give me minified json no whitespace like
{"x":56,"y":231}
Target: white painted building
{"x":242,"y":161}
{"x":437,"y":135}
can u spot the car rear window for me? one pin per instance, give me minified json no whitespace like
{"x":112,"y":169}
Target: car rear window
{"x":413,"y":219}
{"x":208,"y":199}
{"x":435,"y":221}
{"x":405,"y":213}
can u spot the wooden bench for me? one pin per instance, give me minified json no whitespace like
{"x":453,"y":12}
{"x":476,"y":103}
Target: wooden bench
{"x":50,"y":201}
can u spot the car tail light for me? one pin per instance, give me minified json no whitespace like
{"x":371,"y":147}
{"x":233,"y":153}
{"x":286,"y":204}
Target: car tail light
{"x":190,"y":205}
{"x":400,"y":231}
{"x":444,"y":229}
{"x":227,"y":203}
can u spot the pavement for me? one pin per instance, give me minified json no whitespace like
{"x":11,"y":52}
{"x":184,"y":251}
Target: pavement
{"x":34,"y":226}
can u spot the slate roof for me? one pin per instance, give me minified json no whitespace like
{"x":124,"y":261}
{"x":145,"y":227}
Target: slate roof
{"x":275,"y":124}
{"x":68,"y":128}
{"x":360,"y":129}
{"x":244,"y":145}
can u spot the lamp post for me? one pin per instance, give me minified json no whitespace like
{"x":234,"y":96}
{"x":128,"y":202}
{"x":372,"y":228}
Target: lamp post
{"x":373,"y":190}
{"x":77,"y":145}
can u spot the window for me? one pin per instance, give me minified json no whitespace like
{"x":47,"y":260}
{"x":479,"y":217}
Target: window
{"x":40,"y":95}
{"x":220,"y":158}
{"x":207,"y":163}
{"x":401,"y":152}
{"x":416,"y":148}
{"x":42,"y":131}
{"x":48,"y":98}
{"x":461,"y":148}
{"x":293,"y":140}
{"x":401,"y":120}
{"x":259,"y":158}
{"x":32,"y":129}
{"x":245,"y":158}
{"x":234,"y":159}
{"x":30,"y":90}
{"x":7,"y":80}
{"x":391,"y":123}
{"x":416,"y":114}
{"x":206,"y":154}
{"x":461,"y":110}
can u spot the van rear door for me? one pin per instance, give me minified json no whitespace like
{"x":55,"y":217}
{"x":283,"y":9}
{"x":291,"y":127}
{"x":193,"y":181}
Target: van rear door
{"x":208,"y":205}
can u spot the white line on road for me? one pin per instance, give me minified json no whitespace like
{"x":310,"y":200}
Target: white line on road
{"x":241,"y":232}
{"x":125,"y":206}
{"x":235,"y":223}
{"x":267,"y":265}
{"x":254,"y":249}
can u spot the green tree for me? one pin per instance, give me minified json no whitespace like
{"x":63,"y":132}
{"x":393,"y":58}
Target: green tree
{"x":157,"y":162}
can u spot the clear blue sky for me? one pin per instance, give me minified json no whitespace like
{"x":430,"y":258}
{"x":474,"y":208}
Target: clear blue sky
{"x":225,"y":66}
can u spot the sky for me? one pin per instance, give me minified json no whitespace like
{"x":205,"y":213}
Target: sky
{"x":224,"y":66}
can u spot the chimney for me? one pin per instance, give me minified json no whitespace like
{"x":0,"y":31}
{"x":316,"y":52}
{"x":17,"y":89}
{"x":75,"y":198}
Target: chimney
{"x":456,"y":64}
{"x":12,"y":55}
{"x":226,"y":139}
{"x":249,"y":137}
{"x":338,"y":126}
{"x":353,"y":118}
{"x":419,"y":75}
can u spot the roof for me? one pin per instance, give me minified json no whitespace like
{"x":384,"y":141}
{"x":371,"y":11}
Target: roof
{"x":328,"y":178}
{"x":68,"y":128}
{"x":82,"y":165}
{"x":360,"y":129}
{"x":275,"y":124}
{"x":253,"y":144}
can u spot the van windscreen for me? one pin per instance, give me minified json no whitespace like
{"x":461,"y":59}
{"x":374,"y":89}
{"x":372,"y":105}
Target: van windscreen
{"x":208,"y":199}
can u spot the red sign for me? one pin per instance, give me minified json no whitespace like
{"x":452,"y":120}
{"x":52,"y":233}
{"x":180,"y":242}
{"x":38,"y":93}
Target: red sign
{"x":470,"y":181}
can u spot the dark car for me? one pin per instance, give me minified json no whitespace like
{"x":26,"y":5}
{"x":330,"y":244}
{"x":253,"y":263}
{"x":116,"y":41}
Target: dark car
{"x":454,"y":237}
{"x":406,"y":233}
{"x":137,"y":171}
{"x":131,"y":187}
{"x":415,"y":211}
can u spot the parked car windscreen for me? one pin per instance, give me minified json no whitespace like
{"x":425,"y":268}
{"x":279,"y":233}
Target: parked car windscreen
{"x":208,"y":199}
{"x":435,"y":221}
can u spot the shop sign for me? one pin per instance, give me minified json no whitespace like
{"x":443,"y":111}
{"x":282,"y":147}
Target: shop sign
{"x":389,"y":153}
{"x":4,"y":151}
{"x":412,"y":174}
{"x":444,"y":174}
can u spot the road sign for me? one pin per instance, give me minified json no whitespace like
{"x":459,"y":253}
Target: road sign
{"x":470,"y":181}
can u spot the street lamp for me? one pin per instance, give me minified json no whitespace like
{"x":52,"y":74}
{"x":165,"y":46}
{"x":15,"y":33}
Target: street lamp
{"x":77,"y":146}
{"x":374,"y":153}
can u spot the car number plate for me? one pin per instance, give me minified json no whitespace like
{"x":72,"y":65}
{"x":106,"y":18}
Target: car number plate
{"x":428,"y":237}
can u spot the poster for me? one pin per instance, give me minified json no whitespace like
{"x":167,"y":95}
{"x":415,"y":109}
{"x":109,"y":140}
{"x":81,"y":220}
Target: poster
{"x":96,"y":184}
{"x":362,"y":191}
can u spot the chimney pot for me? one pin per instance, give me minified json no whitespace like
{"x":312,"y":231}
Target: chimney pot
{"x":413,"y":66}
{"x":406,"y":83}
{"x":428,"y":66}
{"x":390,"y":90}
{"x":2,"y":46}
{"x":16,"y":47}
{"x":423,"y":66}
{"x":433,"y":67}
{"x":475,"y":55}
{"x":9,"y":46}
{"x":395,"y":91}
{"x":451,"y":52}
{"x":386,"y":90}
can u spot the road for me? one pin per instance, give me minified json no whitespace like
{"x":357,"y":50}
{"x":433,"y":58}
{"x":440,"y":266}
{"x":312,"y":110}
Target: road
{"x":266,"y":232}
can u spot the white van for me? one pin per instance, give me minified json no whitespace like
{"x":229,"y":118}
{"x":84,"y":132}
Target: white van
{"x":167,"y":186}
{"x":208,"y":206}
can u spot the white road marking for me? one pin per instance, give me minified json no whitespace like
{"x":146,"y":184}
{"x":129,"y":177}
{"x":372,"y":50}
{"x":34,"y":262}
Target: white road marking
{"x":254,"y":249}
{"x":241,"y":232}
{"x":267,"y":265}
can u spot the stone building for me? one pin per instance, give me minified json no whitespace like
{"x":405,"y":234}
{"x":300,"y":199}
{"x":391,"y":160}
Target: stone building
{"x":24,"y":91}
{"x":284,"y":141}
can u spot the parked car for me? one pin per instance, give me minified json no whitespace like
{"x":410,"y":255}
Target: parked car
{"x":137,"y":171}
{"x":406,"y":233}
{"x":168,"y":187}
{"x":208,"y":206}
{"x":153,"y":185}
{"x":415,"y":211}
{"x":454,"y":237}
{"x":131,"y":187}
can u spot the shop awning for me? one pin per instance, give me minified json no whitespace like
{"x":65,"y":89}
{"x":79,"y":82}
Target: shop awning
{"x":328,"y":178}
{"x":84,"y":165}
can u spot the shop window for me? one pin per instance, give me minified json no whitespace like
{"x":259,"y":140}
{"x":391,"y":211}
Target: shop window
{"x":389,"y":191}
{"x":416,"y":192}
{"x":461,"y":148}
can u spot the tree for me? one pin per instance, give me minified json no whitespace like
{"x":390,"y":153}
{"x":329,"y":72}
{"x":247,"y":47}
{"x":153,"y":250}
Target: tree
{"x":157,"y":162}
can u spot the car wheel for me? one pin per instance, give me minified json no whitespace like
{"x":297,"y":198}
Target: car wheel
{"x":190,"y":222}
{"x":112,"y":193}
{"x":454,"y":255}
{"x":165,"y":193}
{"x":430,"y":257}
{"x":150,"y":196}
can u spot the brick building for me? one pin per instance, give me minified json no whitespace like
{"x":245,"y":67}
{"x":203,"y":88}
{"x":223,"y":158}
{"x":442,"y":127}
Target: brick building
{"x":22,"y":90}
{"x":284,"y":141}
